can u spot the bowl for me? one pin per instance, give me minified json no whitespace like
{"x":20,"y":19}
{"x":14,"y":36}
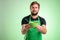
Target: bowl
{"x":33,"y":24}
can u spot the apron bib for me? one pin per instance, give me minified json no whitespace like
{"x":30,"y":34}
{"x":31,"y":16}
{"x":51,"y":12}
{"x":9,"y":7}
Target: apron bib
{"x":33,"y":33}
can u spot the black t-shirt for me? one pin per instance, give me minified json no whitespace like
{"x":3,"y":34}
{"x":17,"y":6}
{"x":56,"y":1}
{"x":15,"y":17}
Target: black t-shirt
{"x":25,"y":20}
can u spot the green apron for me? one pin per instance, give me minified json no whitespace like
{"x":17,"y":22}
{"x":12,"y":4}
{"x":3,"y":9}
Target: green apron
{"x":33,"y":33}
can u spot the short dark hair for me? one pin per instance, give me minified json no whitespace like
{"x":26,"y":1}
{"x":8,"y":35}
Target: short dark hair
{"x":35,"y":2}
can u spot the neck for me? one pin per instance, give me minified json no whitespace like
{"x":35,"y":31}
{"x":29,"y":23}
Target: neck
{"x":34,"y":17}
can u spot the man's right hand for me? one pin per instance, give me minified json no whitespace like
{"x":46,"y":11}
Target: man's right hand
{"x":25,"y":28}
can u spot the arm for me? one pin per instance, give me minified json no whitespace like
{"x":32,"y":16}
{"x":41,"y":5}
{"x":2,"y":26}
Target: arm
{"x":25,"y":25}
{"x":42,"y":29}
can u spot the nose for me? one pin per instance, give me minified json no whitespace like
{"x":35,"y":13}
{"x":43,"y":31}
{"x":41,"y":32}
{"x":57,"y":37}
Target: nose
{"x":34,"y":8}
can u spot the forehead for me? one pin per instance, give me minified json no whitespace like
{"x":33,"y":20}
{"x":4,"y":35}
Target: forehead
{"x":34,"y":5}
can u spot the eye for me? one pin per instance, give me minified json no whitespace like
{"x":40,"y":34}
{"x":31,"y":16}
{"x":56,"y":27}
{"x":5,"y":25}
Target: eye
{"x":32,"y":7}
{"x":35,"y":7}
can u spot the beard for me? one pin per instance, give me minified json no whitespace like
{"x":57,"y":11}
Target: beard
{"x":34,"y":14}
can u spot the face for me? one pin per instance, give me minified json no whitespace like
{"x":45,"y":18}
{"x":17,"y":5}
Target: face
{"x":34,"y":9}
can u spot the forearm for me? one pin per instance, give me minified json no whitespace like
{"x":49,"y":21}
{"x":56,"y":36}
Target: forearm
{"x":42,"y":29}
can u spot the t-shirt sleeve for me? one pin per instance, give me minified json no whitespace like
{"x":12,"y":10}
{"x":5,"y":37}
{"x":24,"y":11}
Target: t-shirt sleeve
{"x":43,"y":21}
{"x":24,"y":21}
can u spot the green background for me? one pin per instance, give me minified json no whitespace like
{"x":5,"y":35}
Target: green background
{"x":12,"y":12}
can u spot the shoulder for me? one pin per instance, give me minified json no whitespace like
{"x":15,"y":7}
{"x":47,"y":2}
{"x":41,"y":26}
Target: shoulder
{"x":25,"y":20}
{"x":41,"y":18}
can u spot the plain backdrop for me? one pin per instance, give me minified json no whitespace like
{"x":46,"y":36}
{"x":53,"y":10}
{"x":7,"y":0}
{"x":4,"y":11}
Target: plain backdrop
{"x":12,"y":12}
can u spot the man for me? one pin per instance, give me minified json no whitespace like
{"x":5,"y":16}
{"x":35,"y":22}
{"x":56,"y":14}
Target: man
{"x":34,"y":33}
